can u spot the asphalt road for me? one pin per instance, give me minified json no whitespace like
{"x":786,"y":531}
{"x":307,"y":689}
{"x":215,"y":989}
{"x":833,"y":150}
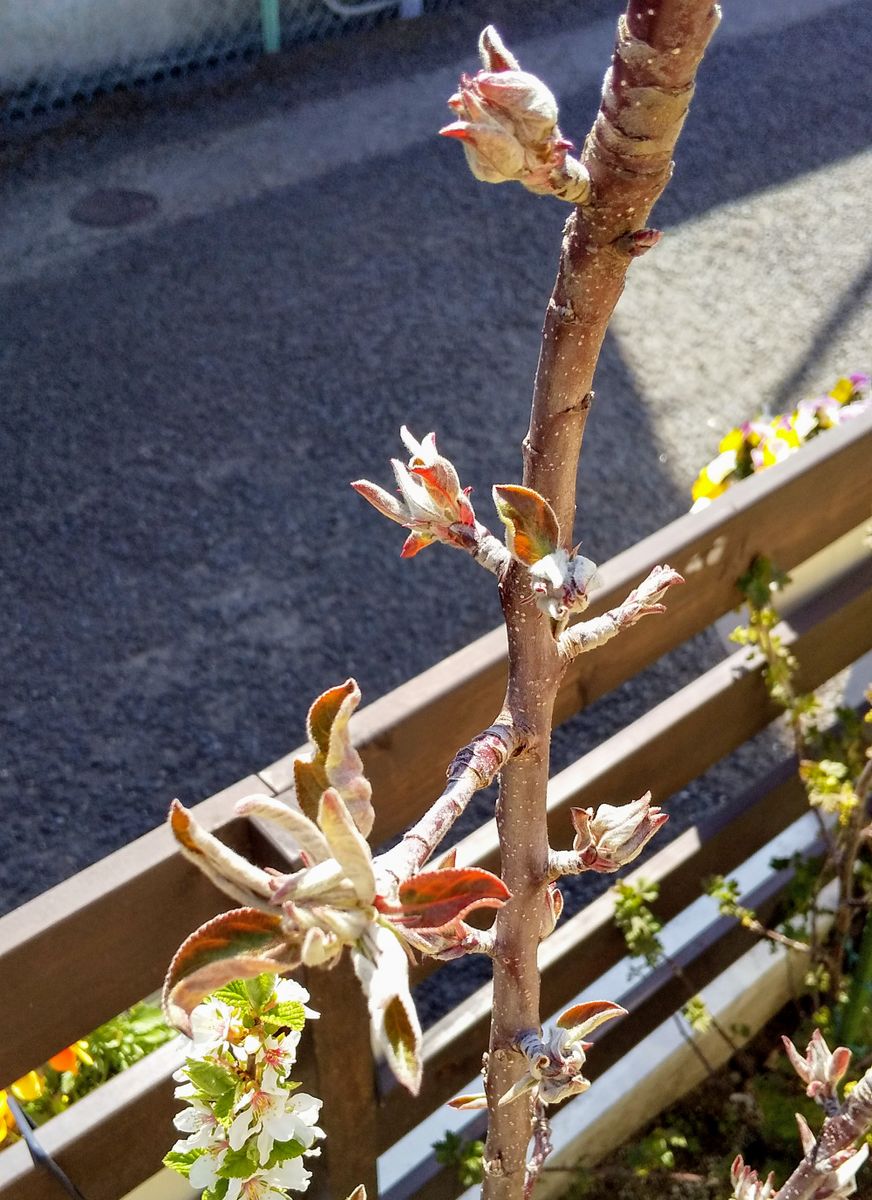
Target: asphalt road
{"x":184,"y":400}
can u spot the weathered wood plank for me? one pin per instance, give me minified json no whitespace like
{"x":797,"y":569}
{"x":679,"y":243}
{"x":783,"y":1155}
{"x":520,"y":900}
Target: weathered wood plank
{"x":346,"y":1080}
{"x":95,"y":944}
{"x":408,"y":737}
{"x":700,"y":724}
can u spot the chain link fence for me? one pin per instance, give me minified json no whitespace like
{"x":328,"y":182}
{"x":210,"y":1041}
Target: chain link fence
{"x":58,"y":54}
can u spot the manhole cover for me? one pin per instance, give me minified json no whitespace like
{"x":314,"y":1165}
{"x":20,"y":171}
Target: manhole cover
{"x":110,"y":207}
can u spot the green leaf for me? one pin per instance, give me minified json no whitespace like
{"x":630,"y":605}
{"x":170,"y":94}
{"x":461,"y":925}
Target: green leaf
{"x":222,"y":1106}
{"x":209,"y":1078}
{"x":287,"y":1012}
{"x":260,"y":990}
{"x":182,"y":1161}
{"x":239,"y":1164}
{"x":218,"y":1192}
{"x":283,"y":1152}
{"x":235,"y":995}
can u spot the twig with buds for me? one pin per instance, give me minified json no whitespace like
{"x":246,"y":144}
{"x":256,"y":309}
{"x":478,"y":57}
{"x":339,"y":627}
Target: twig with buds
{"x":609,"y":839}
{"x":474,"y":767}
{"x":643,"y":601}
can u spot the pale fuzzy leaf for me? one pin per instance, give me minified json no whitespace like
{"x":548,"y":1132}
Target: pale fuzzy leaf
{"x":388,"y":505}
{"x":305,"y":833}
{"x":227,"y":869}
{"x":383,"y":970}
{"x":344,"y":766}
{"x":494,"y":54}
{"x":347,"y":845}
{"x":525,"y":1084}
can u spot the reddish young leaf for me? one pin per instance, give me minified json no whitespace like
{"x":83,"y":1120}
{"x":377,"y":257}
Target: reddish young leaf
{"x":323,"y":713}
{"x":435,"y":899}
{"x":414,"y":543}
{"x":532,"y":531}
{"x":584,"y":1018}
{"x":235,"y":945}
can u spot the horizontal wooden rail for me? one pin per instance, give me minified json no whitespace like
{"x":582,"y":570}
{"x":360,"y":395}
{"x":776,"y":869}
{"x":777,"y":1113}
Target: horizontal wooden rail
{"x":92,"y":946}
{"x":408,"y":737}
{"x":697,"y":726}
{"x":581,"y":949}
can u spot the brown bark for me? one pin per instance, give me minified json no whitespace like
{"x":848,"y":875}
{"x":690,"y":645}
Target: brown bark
{"x":629,"y":156}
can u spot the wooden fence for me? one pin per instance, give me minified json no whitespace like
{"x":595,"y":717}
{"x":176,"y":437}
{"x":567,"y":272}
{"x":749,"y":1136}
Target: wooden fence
{"x":131,"y":910}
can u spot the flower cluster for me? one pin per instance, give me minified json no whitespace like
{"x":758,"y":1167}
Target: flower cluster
{"x":247,"y":1126}
{"x":761,"y":443}
{"x":507,"y":122}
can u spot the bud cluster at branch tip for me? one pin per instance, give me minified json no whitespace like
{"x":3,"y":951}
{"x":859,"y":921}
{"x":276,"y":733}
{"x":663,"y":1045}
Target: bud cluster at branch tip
{"x":507,"y":122}
{"x":432,"y":503}
{"x":614,"y":836}
{"x":831,"y":1160}
{"x":821,"y":1069}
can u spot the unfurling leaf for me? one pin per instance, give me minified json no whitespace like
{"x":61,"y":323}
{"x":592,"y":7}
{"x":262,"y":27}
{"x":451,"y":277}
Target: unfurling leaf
{"x":347,"y":844}
{"x":335,"y":763}
{"x":240,"y":944}
{"x":532,"y":531}
{"x":470,"y":1102}
{"x":582,"y":1019}
{"x":382,"y":967}
{"x":435,"y":899}
{"x":402,"y":1039}
{"x":359,"y":1193}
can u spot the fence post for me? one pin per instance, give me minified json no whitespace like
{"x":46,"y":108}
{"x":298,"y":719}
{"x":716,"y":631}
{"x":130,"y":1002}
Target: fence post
{"x":346,"y":1079}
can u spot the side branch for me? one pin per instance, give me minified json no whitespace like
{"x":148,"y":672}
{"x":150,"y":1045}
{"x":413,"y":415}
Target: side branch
{"x":643,"y":601}
{"x":472,"y":768}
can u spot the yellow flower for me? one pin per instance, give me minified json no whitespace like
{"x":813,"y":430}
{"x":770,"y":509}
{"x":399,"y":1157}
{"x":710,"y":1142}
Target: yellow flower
{"x":843,"y":390}
{"x":7,"y":1121}
{"x":29,"y":1087}
{"x":734,"y":440}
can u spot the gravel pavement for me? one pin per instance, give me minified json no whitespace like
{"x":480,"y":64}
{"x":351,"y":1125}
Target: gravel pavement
{"x":184,"y":400}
